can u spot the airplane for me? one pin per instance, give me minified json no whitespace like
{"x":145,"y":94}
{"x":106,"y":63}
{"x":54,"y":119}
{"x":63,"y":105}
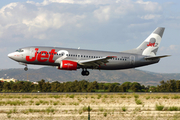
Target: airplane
{"x":73,"y":59}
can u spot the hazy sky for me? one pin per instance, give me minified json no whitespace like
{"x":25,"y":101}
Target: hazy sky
{"x":108,"y":25}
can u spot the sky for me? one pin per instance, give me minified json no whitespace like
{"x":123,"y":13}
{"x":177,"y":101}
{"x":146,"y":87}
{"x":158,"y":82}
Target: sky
{"x":107,"y":25}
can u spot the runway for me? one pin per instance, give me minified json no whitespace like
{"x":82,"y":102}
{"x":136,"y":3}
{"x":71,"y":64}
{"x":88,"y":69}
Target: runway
{"x":84,"y":93}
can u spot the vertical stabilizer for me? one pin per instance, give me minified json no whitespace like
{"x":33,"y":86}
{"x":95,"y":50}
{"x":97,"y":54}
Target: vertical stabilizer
{"x":151,"y":44}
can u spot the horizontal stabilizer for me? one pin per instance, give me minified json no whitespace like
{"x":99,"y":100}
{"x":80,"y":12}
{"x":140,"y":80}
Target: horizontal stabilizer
{"x":156,"y":57}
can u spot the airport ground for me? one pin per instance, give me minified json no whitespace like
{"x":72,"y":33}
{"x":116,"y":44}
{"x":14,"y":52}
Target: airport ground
{"x":115,"y":106}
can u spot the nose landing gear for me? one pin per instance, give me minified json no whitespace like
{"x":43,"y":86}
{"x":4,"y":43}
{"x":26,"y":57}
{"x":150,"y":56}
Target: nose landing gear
{"x":85,"y":73}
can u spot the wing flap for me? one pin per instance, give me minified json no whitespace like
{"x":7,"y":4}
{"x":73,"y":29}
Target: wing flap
{"x":96,"y":62}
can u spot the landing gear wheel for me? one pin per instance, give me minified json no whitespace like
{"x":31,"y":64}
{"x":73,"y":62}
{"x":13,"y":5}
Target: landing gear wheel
{"x":85,"y":73}
{"x":82,"y":73}
{"x":25,"y":68}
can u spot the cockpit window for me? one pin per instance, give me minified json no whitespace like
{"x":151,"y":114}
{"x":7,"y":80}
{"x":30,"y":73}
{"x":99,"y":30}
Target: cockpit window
{"x":20,"y":50}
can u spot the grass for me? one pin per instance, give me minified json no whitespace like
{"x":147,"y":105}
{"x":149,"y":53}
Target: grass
{"x":109,"y":106}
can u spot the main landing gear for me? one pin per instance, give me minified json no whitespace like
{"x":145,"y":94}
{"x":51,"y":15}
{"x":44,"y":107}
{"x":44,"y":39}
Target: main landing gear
{"x":26,"y":68}
{"x":85,"y":73}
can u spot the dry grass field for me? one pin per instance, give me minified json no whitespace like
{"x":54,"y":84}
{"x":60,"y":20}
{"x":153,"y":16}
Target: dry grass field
{"x":103,"y":107}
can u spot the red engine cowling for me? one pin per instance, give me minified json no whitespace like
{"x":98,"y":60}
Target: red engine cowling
{"x":67,"y":65}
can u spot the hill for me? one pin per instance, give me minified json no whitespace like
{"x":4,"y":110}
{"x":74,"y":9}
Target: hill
{"x":120,"y":76}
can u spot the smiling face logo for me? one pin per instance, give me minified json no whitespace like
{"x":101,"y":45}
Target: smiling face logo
{"x":152,"y":42}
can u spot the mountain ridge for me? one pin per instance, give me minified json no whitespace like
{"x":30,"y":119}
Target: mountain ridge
{"x":120,"y":76}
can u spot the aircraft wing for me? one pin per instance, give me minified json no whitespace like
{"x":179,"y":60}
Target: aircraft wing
{"x":96,"y":62}
{"x":156,"y":57}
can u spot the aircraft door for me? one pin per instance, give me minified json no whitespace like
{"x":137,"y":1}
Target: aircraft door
{"x":32,"y":51}
{"x":132,"y":60}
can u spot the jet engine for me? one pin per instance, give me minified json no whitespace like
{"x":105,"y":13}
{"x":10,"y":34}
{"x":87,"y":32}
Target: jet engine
{"x":67,"y":65}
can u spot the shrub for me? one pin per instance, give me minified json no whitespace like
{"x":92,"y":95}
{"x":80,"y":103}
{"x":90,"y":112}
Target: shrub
{"x":31,"y":110}
{"x":37,"y":103}
{"x":165,"y":97}
{"x":80,"y":111}
{"x":148,"y":97}
{"x":73,"y":103}
{"x":101,"y":109}
{"x":86,"y":108}
{"x":124,"y":109}
{"x":31,"y":102}
{"x":103,"y":100}
{"x":138,"y":102}
{"x":71,"y":96}
{"x":136,"y":96}
{"x":137,"y":109}
{"x":123,"y":96}
{"x":50,"y":110}
{"x":99,"y":96}
{"x":55,"y":103}
{"x":54,"y":96}
{"x":159,"y":107}
{"x":158,"y":97}
{"x":105,"y":96}
{"x":67,"y":95}
{"x":105,"y":114}
{"x":63,"y":103}
{"x":175,"y":97}
{"x":173,"y":108}
{"x":92,"y":96}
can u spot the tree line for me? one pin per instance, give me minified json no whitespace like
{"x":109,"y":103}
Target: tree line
{"x":85,"y":86}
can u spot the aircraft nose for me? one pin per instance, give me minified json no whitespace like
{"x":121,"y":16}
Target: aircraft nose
{"x":10,"y":55}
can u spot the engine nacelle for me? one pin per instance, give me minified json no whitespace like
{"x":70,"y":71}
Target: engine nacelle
{"x":67,"y":65}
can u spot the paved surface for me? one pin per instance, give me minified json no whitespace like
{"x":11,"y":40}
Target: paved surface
{"x":88,"y":93}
